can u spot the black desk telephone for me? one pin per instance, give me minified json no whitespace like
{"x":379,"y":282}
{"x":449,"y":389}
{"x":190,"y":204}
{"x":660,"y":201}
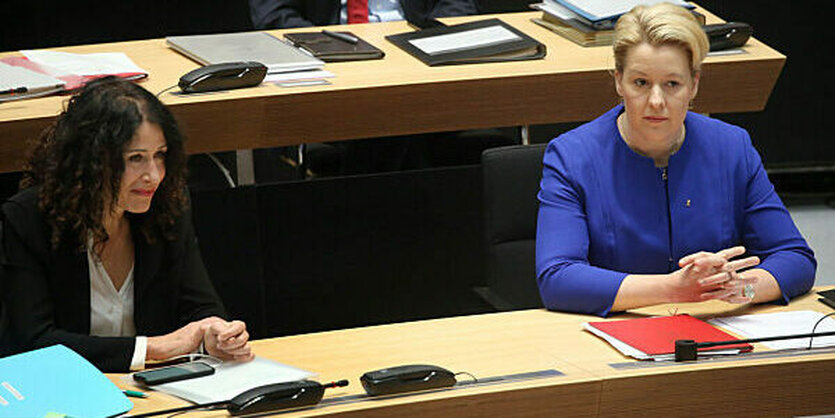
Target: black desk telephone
{"x":280,"y":396}
{"x":727,"y":35}
{"x":225,"y":76}
{"x":406,"y":379}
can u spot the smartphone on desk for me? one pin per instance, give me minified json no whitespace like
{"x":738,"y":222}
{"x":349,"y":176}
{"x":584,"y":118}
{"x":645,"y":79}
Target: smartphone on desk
{"x":173,"y":373}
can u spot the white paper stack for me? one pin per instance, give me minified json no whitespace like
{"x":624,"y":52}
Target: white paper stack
{"x":231,"y":379}
{"x":779,"y":324}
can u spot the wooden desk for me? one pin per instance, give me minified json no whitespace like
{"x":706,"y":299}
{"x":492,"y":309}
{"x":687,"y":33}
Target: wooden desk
{"x":593,"y":381}
{"x":401,"y":95}
{"x":775,"y":386}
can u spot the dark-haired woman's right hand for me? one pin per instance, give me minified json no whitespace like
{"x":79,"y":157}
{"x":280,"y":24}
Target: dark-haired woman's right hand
{"x":228,"y":341}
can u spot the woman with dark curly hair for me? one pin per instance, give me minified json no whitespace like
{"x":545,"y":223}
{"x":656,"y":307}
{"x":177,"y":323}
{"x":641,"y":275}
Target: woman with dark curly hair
{"x":98,"y":250}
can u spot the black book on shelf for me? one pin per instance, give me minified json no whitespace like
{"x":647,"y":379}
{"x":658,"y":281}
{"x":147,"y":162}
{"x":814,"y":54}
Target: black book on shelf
{"x":489,"y":40}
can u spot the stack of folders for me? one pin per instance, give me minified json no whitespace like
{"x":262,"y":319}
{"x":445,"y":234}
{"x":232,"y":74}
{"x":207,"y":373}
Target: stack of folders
{"x":590,"y":22}
{"x":654,"y":338}
{"x":43,"y":72}
{"x":19,"y":82}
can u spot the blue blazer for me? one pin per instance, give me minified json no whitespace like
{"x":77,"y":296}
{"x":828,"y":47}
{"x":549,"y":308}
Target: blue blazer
{"x":277,"y":14}
{"x":605,"y":212}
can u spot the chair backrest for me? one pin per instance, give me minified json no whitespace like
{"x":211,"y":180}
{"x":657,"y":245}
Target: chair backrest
{"x":504,"y":6}
{"x":5,"y":346}
{"x":511,"y":178}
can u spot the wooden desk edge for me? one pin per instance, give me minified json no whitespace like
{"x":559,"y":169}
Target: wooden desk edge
{"x":274,"y":118}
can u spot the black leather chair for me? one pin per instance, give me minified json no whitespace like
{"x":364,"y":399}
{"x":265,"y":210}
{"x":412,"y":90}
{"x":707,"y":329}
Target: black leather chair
{"x":511,"y":181}
{"x":5,"y":345}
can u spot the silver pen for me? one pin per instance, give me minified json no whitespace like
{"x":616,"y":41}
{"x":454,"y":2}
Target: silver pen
{"x":341,"y":36}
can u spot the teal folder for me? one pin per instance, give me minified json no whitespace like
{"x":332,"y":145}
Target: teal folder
{"x":57,"y":380}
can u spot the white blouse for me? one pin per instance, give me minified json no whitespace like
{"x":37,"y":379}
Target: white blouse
{"x":111,"y":310}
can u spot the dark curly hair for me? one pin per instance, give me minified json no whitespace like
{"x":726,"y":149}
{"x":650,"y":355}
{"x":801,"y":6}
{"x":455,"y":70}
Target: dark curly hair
{"x":77,"y":164}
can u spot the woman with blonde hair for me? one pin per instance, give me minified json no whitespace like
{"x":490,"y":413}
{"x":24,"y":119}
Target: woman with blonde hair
{"x":651,"y":203}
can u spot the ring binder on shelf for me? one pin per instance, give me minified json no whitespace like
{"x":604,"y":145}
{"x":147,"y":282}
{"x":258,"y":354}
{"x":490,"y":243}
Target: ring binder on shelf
{"x":490,"y":40}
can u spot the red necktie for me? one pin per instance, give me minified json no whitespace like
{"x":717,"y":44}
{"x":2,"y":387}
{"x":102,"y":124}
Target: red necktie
{"x":357,"y":11}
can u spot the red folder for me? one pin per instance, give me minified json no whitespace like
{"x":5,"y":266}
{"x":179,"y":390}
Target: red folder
{"x":657,"y":335}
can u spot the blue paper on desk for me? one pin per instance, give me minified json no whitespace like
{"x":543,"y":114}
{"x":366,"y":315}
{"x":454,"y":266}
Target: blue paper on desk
{"x":57,"y":379}
{"x":603,"y":14}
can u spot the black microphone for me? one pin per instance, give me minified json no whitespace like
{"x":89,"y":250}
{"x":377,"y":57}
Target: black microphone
{"x":687,"y":350}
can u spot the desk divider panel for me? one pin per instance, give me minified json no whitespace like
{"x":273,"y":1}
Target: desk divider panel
{"x":303,"y":256}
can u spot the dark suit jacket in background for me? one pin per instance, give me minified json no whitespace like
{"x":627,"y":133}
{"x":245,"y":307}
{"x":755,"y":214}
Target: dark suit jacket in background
{"x":46,"y":292}
{"x":276,"y":14}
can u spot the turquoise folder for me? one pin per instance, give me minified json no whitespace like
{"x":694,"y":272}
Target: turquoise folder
{"x":57,"y":380}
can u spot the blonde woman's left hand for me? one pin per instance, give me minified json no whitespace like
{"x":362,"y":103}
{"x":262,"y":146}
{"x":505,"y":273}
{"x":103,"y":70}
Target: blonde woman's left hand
{"x":722,"y":275}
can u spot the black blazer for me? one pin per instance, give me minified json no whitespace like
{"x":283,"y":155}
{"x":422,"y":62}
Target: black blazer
{"x":276,"y":14}
{"x":46,"y":292}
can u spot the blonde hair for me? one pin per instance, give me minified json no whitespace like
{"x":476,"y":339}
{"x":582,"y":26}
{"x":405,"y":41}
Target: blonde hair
{"x":660,"y":24}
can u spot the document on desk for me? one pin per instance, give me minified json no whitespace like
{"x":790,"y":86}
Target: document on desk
{"x":780,"y":323}
{"x":97,"y":64}
{"x":20,"y":83}
{"x":475,"y":38}
{"x":298,"y":76}
{"x":604,"y":13}
{"x":231,"y":379}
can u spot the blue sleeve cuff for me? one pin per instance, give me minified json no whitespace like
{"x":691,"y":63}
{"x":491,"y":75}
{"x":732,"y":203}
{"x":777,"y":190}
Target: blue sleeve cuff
{"x":795,"y":273}
{"x":580,"y":288}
